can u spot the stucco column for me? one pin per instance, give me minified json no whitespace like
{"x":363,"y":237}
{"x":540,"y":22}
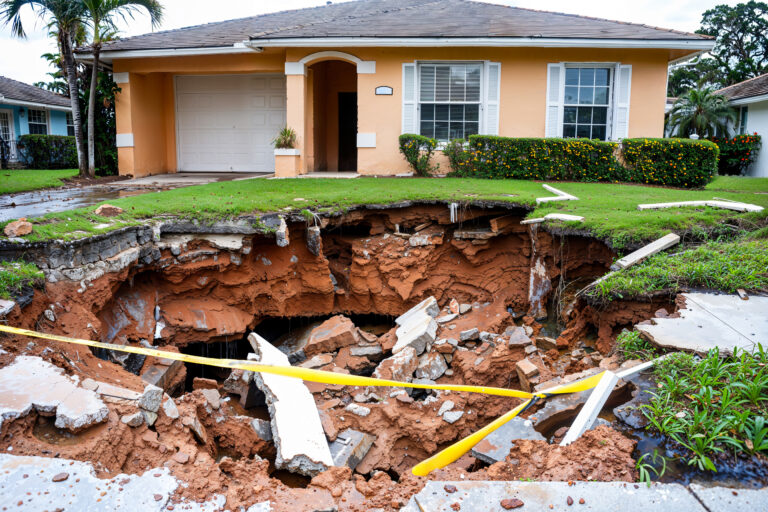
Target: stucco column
{"x":295,"y":115}
{"x":124,"y":125}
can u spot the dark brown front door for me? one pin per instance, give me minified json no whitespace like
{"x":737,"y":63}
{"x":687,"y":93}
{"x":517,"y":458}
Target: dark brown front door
{"x":347,"y":132}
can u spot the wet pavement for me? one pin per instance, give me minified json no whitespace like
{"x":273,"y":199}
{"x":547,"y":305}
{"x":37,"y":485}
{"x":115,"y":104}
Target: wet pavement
{"x":41,"y":202}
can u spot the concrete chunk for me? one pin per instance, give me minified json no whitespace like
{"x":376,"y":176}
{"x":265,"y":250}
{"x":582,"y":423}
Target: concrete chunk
{"x":431,"y":366}
{"x":350,"y":447}
{"x":419,"y":331}
{"x":151,"y":399}
{"x":331,"y":335}
{"x":398,"y":367}
{"x":298,"y":433}
{"x":724,"y":498}
{"x":526,"y":370}
{"x":646,"y":251}
{"x":495,"y":447}
{"x":428,"y":307}
{"x":470,"y":334}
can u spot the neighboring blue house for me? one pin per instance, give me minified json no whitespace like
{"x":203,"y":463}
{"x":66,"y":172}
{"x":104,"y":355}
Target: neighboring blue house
{"x":28,"y":109}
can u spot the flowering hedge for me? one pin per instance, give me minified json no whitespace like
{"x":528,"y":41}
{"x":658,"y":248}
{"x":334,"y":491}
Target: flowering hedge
{"x":672,"y":162}
{"x":417,"y":151}
{"x":738,"y":153}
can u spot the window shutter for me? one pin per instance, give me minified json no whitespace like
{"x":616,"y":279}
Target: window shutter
{"x":409,"y":99}
{"x":555,"y":78}
{"x":493,"y":90}
{"x":623,"y":90}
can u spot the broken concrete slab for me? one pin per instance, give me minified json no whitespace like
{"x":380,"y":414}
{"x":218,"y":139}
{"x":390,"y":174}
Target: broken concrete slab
{"x":644,"y":252}
{"x":333,"y":334}
{"x":399,"y":367}
{"x":298,"y":433}
{"x":724,"y":498}
{"x":6,"y":306}
{"x":75,"y":408}
{"x":369,"y":351}
{"x":560,"y":195}
{"x":263,"y":428}
{"x":151,"y":399}
{"x":711,"y":320}
{"x":495,"y":447}
{"x":727,"y":205}
{"x":526,"y":370}
{"x":554,"y":216}
{"x":133,"y":420}
{"x":598,"y":496}
{"x":417,"y":333}
{"x":427,"y":307}
{"x":350,"y":447}
{"x":470,"y":334}
{"x":452,"y":416}
{"x":317,"y":361}
{"x":592,"y":407}
{"x":431,"y":366}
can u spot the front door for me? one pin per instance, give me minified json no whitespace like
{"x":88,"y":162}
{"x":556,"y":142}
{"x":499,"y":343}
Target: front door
{"x":347,"y":132}
{"x":6,"y":133}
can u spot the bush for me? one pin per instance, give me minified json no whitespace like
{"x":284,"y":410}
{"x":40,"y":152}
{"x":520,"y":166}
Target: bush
{"x":672,"y":162}
{"x":48,"y":151}
{"x":417,"y":151}
{"x":458,"y":156}
{"x":737,"y":154}
{"x":543,"y":159}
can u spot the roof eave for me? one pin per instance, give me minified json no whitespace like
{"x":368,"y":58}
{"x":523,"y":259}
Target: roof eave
{"x":22,"y":103}
{"x":749,"y":99}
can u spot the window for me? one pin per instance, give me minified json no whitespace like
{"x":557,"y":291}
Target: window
{"x":38,"y":122}
{"x":743,"y":116}
{"x":449,"y":100}
{"x":70,"y":125}
{"x":586,"y":102}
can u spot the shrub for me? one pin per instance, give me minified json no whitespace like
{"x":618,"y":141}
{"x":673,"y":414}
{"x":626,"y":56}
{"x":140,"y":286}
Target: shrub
{"x":286,"y":139}
{"x":737,"y":154}
{"x":417,"y":151}
{"x":458,"y":156}
{"x":543,"y":159}
{"x":672,"y":162}
{"x":48,"y":151}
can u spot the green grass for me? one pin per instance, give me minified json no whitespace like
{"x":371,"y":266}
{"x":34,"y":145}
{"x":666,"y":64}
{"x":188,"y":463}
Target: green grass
{"x":739,"y":183}
{"x":16,"y":275}
{"x":633,"y":346}
{"x":22,"y":180}
{"x":610,"y":210}
{"x":712,"y":406}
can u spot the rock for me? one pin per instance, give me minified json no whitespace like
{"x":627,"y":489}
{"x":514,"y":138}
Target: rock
{"x":60,"y":477}
{"x":418,"y":332}
{"x":317,"y":361}
{"x":357,"y":409}
{"x":281,"y":235}
{"x":212,"y":397}
{"x":197,"y":428}
{"x":431,"y":366}
{"x":149,"y":417}
{"x":181,"y":457}
{"x":496,"y":445}
{"x":262,"y":428}
{"x":399,"y":367}
{"x":445,"y":407}
{"x":545,"y":343}
{"x":107,"y":210}
{"x":170,"y":409}
{"x":151,"y":399}
{"x":452,"y":416}
{"x":453,"y":306}
{"x":331,"y":335}
{"x":487,"y":337}
{"x":365,"y":351}
{"x":314,"y":240}
{"x":446,"y":318}
{"x":18,"y":228}
{"x":6,"y":306}
{"x":201,"y":383}
{"x":465,"y":308}
{"x":427,"y":307}
{"x":510,"y":503}
{"x":133,"y":420}
{"x":328,"y":426}
{"x":530,"y":349}
{"x":351,"y":447}
{"x":526,"y":370}
{"x":469,"y":334}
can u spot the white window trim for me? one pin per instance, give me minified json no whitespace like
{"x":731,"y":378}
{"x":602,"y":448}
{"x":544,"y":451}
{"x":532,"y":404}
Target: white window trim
{"x":483,"y":91}
{"x":614,"y":66}
{"x":47,"y":120}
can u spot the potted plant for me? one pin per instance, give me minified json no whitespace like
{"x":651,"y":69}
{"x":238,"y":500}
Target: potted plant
{"x":287,"y":156}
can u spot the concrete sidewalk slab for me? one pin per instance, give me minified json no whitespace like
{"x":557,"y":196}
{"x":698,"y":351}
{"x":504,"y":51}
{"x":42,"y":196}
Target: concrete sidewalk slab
{"x":724,"y":498}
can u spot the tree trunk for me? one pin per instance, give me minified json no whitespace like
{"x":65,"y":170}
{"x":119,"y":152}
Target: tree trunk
{"x":92,"y":114}
{"x":69,"y":62}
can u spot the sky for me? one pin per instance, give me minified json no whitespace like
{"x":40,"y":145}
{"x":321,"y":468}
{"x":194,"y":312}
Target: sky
{"x":21,"y":58}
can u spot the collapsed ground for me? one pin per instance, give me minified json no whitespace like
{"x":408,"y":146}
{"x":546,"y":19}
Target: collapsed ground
{"x":201,"y":289}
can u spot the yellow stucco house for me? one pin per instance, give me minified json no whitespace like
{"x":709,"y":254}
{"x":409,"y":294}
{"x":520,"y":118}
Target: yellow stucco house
{"x":349,"y":78}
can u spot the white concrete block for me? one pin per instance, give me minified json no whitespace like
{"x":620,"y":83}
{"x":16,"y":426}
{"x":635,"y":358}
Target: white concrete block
{"x":649,"y":250}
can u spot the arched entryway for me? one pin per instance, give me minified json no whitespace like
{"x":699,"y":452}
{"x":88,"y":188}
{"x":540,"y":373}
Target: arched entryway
{"x":333,"y":96}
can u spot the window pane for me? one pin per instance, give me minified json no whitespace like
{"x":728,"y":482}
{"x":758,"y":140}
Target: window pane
{"x":473,"y":83}
{"x":38,"y":129}
{"x":601,"y":95}
{"x":582,"y":131}
{"x":598,"y":132}
{"x":427,"y":112}
{"x":470,"y":129}
{"x":457,"y":83}
{"x":472,"y":112}
{"x":457,"y":112}
{"x":569,"y":130}
{"x":457,"y":130}
{"x":441,"y":131}
{"x":599,"y":115}
{"x":442,"y":83}
{"x":601,"y":76}
{"x":585,"y":95}
{"x":571,"y":95}
{"x":427,"y":83}
{"x":586,"y":76}
{"x":427,"y":129}
{"x":572,"y":76}
{"x":585,"y":115}
{"x":569,"y":115}
{"x":441,"y":112}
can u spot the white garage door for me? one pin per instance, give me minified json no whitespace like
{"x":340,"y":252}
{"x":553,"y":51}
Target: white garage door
{"x":227,"y":122}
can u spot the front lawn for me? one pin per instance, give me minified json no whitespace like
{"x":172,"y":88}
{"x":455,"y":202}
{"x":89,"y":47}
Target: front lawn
{"x":22,"y":180}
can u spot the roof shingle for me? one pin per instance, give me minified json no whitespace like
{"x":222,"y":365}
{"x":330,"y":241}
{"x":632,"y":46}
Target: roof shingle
{"x":757,"y":86}
{"x":399,"y":19}
{"x":19,"y":91}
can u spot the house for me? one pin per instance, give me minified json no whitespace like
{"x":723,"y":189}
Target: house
{"x":351,"y":77}
{"x":28,"y":109}
{"x":750,"y":98}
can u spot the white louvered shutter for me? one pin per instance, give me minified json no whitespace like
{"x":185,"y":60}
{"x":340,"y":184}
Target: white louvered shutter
{"x":493,"y":91}
{"x":555,"y":79}
{"x":409,"y":99}
{"x":623,"y":90}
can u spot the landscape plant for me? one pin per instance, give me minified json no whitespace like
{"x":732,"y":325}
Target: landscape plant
{"x":48,"y":151}
{"x":701,"y":111}
{"x":737,"y":153}
{"x":418,"y":150}
{"x":458,"y":156}
{"x":285,"y":139}
{"x":682,"y":163}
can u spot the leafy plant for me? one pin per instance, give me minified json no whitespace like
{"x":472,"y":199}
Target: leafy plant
{"x":670,"y":162}
{"x":633,"y":346}
{"x":418,"y":151}
{"x":737,"y":153}
{"x":47,"y":151}
{"x":16,"y":275}
{"x":458,"y":156}
{"x":644,"y":469}
{"x":286,"y":139}
{"x":701,"y":111}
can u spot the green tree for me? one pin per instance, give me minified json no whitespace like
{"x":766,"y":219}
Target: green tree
{"x":101,"y":16}
{"x":703,"y":112}
{"x":741,"y":50}
{"x":65,"y":18}
{"x":698,"y":73}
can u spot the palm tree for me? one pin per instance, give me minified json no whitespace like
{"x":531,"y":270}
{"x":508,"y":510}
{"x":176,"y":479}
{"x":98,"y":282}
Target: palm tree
{"x":65,"y":18}
{"x":701,"y":111}
{"x":101,"y":15}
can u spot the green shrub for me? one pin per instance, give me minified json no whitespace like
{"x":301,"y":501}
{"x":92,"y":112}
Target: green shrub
{"x":737,"y":154}
{"x":48,"y":151}
{"x":671,"y":162}
{"x":418,"y":151}
{"x":543,"y":159}
{"x":458,"y":156}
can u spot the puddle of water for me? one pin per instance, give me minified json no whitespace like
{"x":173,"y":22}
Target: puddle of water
{"x":46,"y":431}
{"x":261,"y":413}
{"x":38,"y":203}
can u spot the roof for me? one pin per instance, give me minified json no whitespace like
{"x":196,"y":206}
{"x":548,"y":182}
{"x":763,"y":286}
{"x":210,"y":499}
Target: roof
{"x":19,"y":91}
{"x":399,"y":19}
{"x":757,"y":86}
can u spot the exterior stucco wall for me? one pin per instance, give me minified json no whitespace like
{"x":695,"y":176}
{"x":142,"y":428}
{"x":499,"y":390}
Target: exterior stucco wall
{"x":57,"y":120}
{"x":146,"y":105}
{"x":757,"y":121}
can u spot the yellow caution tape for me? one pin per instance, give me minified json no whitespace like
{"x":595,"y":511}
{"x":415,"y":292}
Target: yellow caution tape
{"x":439,"y":460}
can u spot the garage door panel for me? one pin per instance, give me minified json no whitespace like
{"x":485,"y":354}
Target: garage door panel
{"x":227,"y":122}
